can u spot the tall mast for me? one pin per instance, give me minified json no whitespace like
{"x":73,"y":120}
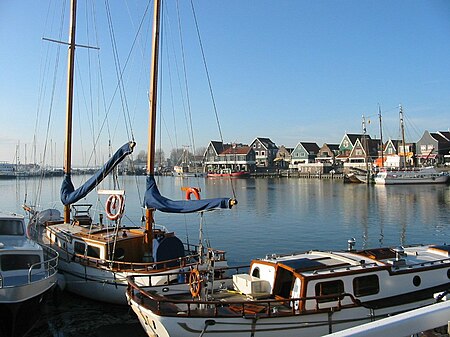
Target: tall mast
{"x":68,"y":142}
{"x":402,"y":128}
{"x":365,"y":147}
{"x":152,"y":119}
{"x":381,"y":136}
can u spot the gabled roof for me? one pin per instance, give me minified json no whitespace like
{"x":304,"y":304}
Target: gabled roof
{"x":332,"y":147}
{"x":310,"y":147}
{"x":238,"y":149}
{"x":445,"y":134}
{"x":441,"y":139}
{"x":266,"y":142}
{"x":217,"y":146}
{"x":355,"y":136}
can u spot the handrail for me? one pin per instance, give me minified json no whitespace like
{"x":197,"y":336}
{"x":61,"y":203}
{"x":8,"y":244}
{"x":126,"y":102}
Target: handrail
{"x":49,"y":265}
{"x":267,"y":307}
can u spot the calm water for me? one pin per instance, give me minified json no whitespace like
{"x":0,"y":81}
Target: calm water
{"x":273,"y":216}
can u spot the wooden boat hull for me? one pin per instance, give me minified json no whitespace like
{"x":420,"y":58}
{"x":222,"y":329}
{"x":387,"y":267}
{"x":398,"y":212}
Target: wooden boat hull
{"x":229,"y":175}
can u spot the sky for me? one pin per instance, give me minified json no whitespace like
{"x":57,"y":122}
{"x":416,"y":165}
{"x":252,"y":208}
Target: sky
{"x":289,"y":70}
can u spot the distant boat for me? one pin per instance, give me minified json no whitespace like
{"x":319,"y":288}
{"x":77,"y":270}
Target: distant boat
{"x":302,"y":294}
{"x":404,"y":175}
{"x":357,"y":176}
{"x":28,"y":272}
{"x":228,"y":173}
{"x":7,"y":170}
{"x":426,"y":175}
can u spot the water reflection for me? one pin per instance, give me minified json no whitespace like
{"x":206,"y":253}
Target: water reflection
{"x":275,"y":215}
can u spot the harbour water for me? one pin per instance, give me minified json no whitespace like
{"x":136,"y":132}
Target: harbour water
{"x":278,"y":215}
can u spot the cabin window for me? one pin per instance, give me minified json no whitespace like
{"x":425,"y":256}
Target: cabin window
{"x":366,"y":285}
{"x":16,"y":261}
{"x":255,"y":272}
{"x":329,"y":288}
{"x":11,"y":227}
{"x":283,"y":283}
{"x":79,"y":247}
{"x":92,"y":251}
{"x":417,"y":281}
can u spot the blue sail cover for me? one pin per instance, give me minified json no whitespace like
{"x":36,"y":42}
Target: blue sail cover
{"x":153,"y":199}
{"x":68,"y":193}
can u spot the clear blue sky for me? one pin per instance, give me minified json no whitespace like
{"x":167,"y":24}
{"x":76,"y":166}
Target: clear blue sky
{"x":290,"y":70}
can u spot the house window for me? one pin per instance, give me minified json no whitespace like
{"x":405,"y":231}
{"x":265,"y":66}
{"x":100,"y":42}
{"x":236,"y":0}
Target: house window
{"x":263,"y":153}
{"x":302,"y":154}
{"x":366,"y":285}
{"x":329,"y":288}
{"x":423,"y":148}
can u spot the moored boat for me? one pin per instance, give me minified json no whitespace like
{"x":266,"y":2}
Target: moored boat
{"x":304,"y":294}
{"x":28,"y":274}
{"x":227,"y":173}
{"x":97,"y":256}
{"x":426,"y":175}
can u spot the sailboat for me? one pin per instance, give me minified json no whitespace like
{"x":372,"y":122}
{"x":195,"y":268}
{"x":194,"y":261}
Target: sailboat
{"x":404,"y":175}
{"x":97,"y":257}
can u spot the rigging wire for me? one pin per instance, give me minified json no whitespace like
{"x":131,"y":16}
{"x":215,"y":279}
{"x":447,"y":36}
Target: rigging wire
{"x":210,"y":86}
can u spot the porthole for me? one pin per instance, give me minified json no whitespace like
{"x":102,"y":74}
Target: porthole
{"x":448,"y":273}
{"x":417,"y":281}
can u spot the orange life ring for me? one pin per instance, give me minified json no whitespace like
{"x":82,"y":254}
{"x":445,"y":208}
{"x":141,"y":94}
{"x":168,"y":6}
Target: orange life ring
{"x":194,"y":191}
{"x":114,"y":206}
{"x":195,"y":283}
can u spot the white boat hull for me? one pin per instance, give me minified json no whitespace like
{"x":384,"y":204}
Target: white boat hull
{"x":109,"y":286}
{"x":22,"y":293}
{"x":424,"y":176}
{"x":292,"y":326}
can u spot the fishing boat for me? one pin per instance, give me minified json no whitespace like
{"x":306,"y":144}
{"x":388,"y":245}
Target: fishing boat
{"x":228,"y":173}
{"x":312,"y":293}
{"x":425,"y":175}
{"x":97,"y":256}
{"x":404,"y":175}
{"x":28,"y":273}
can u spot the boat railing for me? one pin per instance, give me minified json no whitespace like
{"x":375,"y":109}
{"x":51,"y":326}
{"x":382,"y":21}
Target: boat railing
{"x":49,"y":265}
{"x":40,"y":270}
{"x":180,"y":262}
{"x":272,"y":307}
{"x":182,"y":277}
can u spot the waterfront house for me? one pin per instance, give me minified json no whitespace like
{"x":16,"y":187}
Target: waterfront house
{"x":346,"y":145}
{"x":327,"y":153}
{"x":237,"y":157}
{"x":433,"y":147}
{"x":304,"y":152}
{"x":265,"y":152}
{"x":283,"y":157}
{"x":326,"y":158}
{"x":363,"y":155}
{"x":395,"y":155}
{"x":303,"y":158}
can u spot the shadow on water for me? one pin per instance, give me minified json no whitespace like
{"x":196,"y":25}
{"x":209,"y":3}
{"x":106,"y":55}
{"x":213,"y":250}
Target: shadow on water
{"x":75,"y":316}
